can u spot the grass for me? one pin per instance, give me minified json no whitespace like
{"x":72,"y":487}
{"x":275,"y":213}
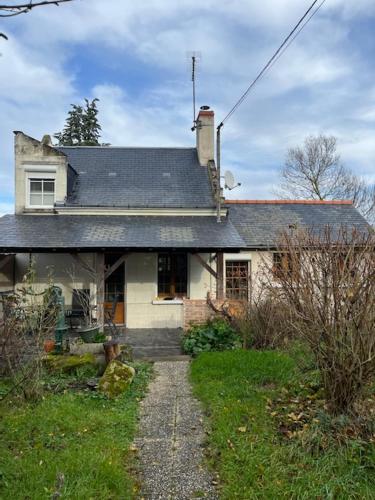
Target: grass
{"x":75,"y":433}
{"x":253,"y":459}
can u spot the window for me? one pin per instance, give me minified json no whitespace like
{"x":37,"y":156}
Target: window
{"x":284,"y":263}
{"x":172,"y":275}
{"x":41,"y":192}
{"x":237,"y":279}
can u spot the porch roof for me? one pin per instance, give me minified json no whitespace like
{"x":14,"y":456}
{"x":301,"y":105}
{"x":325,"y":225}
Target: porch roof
{"x":24,"y":233}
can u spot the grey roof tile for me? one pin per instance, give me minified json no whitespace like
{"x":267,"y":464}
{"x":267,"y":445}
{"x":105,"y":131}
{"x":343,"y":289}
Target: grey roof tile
{"x":138,"y":177}
{"x":86,"y":231}
{"x":259,"y":225}
{"x":247,"y":226}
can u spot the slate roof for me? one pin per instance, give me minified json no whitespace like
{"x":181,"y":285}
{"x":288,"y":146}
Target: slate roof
{"x":254,"y":225}
{"x":33,"y":232}
{"x":260,"y":223}
{"x":138,"y":177}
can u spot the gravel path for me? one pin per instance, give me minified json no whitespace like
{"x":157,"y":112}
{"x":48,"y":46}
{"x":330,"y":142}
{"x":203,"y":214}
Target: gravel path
{"x":171,"y":436}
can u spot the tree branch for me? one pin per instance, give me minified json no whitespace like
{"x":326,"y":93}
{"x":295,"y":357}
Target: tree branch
{"x":16,"y":10}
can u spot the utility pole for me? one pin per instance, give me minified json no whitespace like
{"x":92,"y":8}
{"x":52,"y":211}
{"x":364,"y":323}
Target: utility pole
{"x":218,"y":194}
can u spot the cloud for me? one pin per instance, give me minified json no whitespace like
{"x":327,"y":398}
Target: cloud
{"x":6,"y":208}
{"x":137,"y":51}
{"x":157,"y":119}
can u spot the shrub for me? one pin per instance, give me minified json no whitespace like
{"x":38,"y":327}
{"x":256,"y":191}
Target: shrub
{"x":29,"y":319}
{"x":329,"y":287}
{"x":264,"y":324}
{"x":215,"y":335}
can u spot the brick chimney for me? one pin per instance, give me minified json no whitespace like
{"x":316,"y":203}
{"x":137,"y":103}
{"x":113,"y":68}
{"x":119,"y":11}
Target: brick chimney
{"x":205,"y":135}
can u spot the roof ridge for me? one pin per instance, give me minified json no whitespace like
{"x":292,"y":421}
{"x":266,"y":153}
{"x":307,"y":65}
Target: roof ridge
{"x":289,"y":202}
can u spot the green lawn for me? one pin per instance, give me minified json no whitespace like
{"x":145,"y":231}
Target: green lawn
{"x":73,"y":432}
{"x":253,"y":458}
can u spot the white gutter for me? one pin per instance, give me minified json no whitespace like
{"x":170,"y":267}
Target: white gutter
{"x":172,"y":212}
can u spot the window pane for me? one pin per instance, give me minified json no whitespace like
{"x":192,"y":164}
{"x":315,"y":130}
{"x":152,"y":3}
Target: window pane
{"x":48,"y":199}
{"x":35,"y":186}
{"x":164,"y":274}
{"x":237,"y":280}
{"x":36,"y":199}
{"x":49,"y":186}
{"x":172,"y":274}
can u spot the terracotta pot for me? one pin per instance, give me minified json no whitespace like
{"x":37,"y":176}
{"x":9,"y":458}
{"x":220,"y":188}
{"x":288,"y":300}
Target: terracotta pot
{"x":49,"y":345}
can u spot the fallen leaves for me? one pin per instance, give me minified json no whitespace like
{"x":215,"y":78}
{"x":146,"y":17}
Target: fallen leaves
{"x":294,"y":413}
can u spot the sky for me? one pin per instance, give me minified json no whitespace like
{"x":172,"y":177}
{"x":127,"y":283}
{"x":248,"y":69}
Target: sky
{"x":134,"y":57}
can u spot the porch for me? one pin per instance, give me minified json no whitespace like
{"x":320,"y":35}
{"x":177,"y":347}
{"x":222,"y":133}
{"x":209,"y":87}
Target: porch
{"x":153,"y":343}
{"x":158,"y":291}
{"x":152,"y":271}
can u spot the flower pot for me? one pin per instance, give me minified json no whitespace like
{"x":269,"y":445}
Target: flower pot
{"x":49,"y":345}
{"x":88,"y":334}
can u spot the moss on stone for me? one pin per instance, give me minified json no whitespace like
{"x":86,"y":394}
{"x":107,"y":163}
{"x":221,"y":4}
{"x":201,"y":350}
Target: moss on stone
{"x":116,"y":379}
{"x":69,"y":363}
{"x":126,"y":353}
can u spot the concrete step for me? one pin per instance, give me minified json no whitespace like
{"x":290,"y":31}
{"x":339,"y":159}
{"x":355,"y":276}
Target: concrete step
{"x":149,"y":351}
{"x":153,"y":359}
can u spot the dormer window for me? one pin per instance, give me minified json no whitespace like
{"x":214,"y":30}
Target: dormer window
{"x":41,"y":192}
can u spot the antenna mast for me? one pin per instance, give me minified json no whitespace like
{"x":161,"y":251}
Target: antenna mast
{"x":194,"y":57}
{"x":193,"y":63}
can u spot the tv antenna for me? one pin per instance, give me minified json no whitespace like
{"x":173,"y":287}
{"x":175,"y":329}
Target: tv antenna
{"x":229,"y":181}
{"x":195,"y":57}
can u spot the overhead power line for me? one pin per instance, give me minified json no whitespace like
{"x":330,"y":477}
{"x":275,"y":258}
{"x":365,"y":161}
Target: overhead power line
{"x":279,"y":52}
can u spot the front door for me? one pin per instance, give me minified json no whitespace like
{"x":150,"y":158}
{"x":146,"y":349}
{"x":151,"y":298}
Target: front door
{"x":114,"y":299}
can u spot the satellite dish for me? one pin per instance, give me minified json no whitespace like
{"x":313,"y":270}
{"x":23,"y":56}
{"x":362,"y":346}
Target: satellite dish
{"x":230,"y":183}
{"x":229,"y":180}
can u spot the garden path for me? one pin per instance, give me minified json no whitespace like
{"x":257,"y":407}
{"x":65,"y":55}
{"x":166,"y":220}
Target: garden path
{"x":171,"y":438}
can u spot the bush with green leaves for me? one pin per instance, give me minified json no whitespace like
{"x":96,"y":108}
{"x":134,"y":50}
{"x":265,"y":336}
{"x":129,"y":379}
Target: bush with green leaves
{"x":215,"y":335}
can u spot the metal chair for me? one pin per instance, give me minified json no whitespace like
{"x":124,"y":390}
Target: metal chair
{"x":80,"y":306}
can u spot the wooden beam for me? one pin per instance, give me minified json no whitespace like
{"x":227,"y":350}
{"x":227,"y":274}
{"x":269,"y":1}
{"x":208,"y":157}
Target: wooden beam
{"x":220,"y":276}
{"x":5,"y":260}
{"x":205,"y":265}
{"x":100,"y":287}
{"x":116,"y":265}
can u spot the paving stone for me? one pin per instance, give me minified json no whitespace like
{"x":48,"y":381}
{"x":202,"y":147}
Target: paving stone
{"x":171,"y":438}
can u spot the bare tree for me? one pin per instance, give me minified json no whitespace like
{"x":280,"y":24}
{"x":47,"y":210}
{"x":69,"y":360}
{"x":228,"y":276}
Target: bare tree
{"x":29,"y":318}
{"x":327,"y":281}
{"x":10,"y":9}
{"x":314,"y":171}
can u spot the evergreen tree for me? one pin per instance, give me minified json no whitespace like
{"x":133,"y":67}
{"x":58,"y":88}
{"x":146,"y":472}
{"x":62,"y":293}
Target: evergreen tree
{"x":90,"y":125}
{"x":81,"y":127}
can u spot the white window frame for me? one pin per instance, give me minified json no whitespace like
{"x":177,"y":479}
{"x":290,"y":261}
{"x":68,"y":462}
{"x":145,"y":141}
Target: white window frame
{"x":39,"y":175}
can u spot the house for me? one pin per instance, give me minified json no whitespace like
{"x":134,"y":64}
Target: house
{"x":139,"y":226}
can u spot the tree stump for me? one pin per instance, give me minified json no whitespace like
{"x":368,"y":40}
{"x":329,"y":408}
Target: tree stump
{"x":112,"y":349}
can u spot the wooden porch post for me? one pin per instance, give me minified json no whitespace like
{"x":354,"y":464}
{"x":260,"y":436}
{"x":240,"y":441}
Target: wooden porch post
{"x":220,"y":277}
{"x":100,"y":269}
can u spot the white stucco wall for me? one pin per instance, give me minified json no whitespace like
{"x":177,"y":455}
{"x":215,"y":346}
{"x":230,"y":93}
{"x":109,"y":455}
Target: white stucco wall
{"x":33,"y":159}
{"x":143,"y":310}
{"x":61,"y":267}
{"x":256,"y":258}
